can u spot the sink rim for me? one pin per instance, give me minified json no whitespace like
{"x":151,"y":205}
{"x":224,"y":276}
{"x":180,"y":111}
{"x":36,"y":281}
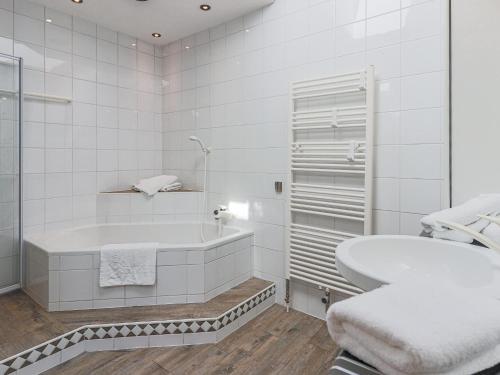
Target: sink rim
{"x":347,"y":264}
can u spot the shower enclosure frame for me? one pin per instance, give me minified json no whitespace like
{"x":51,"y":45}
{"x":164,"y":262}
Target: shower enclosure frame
{"x":20,"y":123}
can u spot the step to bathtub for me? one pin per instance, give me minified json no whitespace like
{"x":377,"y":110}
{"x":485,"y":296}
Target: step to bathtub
{"x":103,"y":334}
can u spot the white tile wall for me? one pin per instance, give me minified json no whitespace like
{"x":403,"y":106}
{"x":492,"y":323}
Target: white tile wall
{"x":73,"y":150}
{"x":230,"y":88}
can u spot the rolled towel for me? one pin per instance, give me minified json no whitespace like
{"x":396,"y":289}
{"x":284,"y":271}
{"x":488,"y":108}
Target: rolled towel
{"x":465,"y":214}
{"x":417,"y":328}
{"x":153,"y":185}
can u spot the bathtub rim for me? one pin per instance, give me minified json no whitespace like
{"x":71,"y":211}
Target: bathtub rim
{"x":36,"y":239}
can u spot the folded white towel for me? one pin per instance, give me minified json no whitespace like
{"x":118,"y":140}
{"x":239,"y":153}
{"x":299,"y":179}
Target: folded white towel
{"x":465,"y":214}
{"x":172,"y":187}
{"x":128,"y":264}
{"x":419,"y":328}
{"x":153,"y":185}
{"x":492,"y":231}
{"x":459,"y":236}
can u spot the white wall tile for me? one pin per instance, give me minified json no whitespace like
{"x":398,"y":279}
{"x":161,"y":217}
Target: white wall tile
{"x":348,"y":11}
{"x":383,"y":30}
{"x":412,"y":19}
{"x":84,"y":45}
{"x":58,"y":38}
{"x":420,"y":196}
{"x":29,"y":30}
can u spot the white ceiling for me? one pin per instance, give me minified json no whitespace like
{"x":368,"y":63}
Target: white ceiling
{"x":174,"y":19}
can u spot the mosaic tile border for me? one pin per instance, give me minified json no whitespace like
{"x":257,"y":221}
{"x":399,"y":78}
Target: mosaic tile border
{"x":116,"y":336}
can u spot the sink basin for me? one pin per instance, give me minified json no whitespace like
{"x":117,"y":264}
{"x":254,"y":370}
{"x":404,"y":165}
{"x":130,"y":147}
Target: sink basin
{"x":371,"y":261}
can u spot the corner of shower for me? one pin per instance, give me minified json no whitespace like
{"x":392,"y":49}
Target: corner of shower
{"x":11,"y":198}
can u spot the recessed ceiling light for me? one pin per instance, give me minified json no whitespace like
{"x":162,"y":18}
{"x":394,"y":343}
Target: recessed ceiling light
{"x":187,"y":47}
{"x":77,"y":1}
{"x":48,"y":20}
{"x":156,"y":35}
{"x":205,"y":7}
{"x":133,"y":44}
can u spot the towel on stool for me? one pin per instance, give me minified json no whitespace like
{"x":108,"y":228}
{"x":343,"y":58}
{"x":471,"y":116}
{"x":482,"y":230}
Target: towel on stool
{"x":465,"y":214}
{"x":128,"y":264}
{"x":419,"y":328}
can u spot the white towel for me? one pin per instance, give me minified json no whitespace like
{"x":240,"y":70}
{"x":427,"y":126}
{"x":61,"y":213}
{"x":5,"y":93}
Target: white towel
{"x":465,"y":214}
{"x":128,"y":264}
{"x":492,"y":231}
{"x":172,"y":187}
{"x":153,"y":185}
{"x":419,"y":328}
{"x":459,"y":236}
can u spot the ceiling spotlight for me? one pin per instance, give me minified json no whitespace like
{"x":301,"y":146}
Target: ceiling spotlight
{"x":187,"y":47}
{"x":205,"y":7}
{"x":48,"y":20}
{"x":77,"y":1}
{"x":156,"y":35}
{"x":133,"y":44}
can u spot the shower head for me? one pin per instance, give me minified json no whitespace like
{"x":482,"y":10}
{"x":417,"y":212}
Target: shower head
{"x":200,"y":142}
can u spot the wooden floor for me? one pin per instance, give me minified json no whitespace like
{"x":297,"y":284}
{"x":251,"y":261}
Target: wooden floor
{"x":276,"y":342}
{"x":24,"y":324}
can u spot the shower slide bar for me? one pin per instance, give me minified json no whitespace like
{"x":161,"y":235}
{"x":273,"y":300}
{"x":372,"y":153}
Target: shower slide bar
{"x":331,"y":174}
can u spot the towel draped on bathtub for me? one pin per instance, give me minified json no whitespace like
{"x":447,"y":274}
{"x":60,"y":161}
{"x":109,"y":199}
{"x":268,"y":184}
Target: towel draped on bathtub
{"x":128,"y":264}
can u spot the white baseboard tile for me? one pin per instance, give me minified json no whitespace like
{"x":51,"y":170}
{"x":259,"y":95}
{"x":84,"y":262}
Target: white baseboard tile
{"x":42,"y":365}
{"x":133,"y":342}
{"x":199,"y":338}
{"x":166,"y":340}
{"x":223,"y":332}
{"x":73,"y":351}
{"x":99,"y":345}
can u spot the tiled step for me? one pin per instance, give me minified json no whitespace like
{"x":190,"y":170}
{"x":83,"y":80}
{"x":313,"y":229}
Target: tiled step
{"x":157,"y":328}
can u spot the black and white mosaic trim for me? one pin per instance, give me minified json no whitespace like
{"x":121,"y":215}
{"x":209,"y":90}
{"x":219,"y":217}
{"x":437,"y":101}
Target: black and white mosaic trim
{"x":118,"y":336}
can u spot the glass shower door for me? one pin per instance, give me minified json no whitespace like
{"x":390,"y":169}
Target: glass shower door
{"x":10,"y":171}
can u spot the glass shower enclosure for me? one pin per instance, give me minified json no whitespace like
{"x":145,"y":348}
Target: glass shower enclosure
{"x":11,"y":107}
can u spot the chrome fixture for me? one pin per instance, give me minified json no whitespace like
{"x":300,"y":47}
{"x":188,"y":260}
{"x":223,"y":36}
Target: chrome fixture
{"x":205,"y":149}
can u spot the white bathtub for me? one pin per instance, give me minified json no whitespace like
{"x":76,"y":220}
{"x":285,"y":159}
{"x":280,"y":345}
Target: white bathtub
{"x":63,"y":267}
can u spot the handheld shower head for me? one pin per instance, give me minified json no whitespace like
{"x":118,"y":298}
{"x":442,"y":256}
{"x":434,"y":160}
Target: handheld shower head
{"x":200,"y":142}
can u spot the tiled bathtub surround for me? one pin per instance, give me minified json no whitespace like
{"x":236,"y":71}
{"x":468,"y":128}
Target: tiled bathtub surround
{"x":121,"y":336}
{"x":137,"y":207}
{"x":229,"y":85}
{"x":108,"y":137}
{"x":70,"y":281}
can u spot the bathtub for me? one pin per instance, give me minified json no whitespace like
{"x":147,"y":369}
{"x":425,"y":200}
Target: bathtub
{"x":62,"y":268}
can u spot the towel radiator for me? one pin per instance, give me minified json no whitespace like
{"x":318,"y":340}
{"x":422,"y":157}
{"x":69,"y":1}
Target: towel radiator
{"x":331,"y":162}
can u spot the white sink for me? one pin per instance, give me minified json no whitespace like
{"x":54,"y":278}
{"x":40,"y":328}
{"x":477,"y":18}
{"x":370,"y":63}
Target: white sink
{"x":371,"y":261}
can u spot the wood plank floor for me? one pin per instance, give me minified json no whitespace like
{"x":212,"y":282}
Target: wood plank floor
{"x":24,"y":324}
{"x":276,"y":342}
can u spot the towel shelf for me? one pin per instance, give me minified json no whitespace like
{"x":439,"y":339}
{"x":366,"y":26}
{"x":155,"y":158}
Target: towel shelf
{"x":330,"y":160}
